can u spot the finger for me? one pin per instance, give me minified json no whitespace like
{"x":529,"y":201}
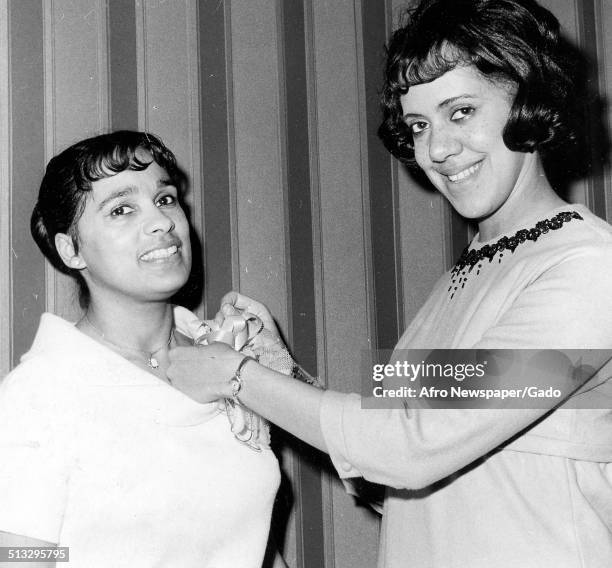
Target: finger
{"x":226,"y":310}
{"x":219,"y":318}
{"x":176,"y":351}
{"x":195,"y":352}
{"x":238,"y":300}
{"x":214,"y":349}
{"x":229,"y":309}
{"x":230,"y":298}
{"x":180,"y":352}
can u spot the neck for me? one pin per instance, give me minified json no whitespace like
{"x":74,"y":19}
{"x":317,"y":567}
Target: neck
{"x":531,"y":198}
{"x":145,"y":326}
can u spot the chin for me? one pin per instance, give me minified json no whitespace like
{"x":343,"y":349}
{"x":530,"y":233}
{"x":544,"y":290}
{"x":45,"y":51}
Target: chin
{"x":162,"y":295}
{"x":164,"y":290}
{"x":473,"y":209}
{"x":469,"y":211}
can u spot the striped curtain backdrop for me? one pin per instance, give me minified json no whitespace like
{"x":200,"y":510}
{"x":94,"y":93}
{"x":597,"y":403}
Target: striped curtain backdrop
{"x":271,"y":107}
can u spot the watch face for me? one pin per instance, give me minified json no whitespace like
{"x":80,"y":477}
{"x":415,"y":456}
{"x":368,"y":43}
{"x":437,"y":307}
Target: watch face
{"x":236,"y":384}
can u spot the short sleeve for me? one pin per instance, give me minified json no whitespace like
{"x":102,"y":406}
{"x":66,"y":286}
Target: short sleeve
{"x":34,"y":455}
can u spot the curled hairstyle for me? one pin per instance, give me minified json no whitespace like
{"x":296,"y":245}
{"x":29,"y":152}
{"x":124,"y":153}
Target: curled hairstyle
{"x":68,"y":180}
{"x":511,"y":41}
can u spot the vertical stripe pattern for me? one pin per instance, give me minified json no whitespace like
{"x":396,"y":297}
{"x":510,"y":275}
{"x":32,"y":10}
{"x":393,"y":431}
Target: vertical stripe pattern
{"x":122,"y":56}
{"x":217,"y":160}
{"x":27,"y":157}
{"x":300,"y":262}
{"x":272,"y":109}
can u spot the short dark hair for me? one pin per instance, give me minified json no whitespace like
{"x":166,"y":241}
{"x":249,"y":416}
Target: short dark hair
{"x":69,"y":177}
{"x":515,"y":41}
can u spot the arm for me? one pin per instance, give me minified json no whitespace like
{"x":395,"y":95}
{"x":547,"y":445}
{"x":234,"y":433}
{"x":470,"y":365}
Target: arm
{"x":14,"y":540}
{"x":400,"y":448}
{"x":292,"y":405}
{"x":565,"y":308}
{"x":568,"y":306}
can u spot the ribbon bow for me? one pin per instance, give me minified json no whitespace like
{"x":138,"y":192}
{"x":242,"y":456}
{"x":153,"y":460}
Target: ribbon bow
{"x":243,"y":332}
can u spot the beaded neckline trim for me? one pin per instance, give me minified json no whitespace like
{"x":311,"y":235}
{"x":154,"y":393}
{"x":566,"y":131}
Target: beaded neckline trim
{"x":470,"y":258}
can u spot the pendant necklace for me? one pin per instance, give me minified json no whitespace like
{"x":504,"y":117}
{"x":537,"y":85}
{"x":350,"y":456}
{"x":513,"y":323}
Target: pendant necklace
{"x":150,"y":358}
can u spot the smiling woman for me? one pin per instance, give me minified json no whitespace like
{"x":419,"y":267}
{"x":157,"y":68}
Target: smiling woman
{"x":133,"y":236}
{"x":457,"y":122}
{"x":99,"y":452}
{"x":476,"y":93}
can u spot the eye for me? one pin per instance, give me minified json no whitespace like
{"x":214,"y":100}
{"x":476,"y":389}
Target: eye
{"x":417,"y":127}
{"x":166,"y":200}
{"x":121,"y":210}
{"x":462,"y":113}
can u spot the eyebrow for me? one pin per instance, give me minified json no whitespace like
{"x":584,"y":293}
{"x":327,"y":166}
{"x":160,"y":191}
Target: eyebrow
{"x":445,"y":103}
{"x":130,"y":189}
{"x":116,"y":195}
{"x":164,"y":182}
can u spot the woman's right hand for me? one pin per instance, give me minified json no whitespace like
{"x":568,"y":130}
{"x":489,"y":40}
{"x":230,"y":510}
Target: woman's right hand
{"x":203,"y":373}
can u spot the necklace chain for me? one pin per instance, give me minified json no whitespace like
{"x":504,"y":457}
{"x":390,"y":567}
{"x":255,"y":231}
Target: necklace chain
{"x":151,"y":360}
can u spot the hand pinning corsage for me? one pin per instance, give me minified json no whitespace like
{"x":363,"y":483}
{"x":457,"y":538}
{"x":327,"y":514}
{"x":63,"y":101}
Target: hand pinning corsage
{"x":245,"y":332}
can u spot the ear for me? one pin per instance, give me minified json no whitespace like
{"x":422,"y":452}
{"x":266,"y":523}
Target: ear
{"x":67,"y":251}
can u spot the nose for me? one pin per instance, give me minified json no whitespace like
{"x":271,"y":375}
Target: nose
{"x":443,"y":143}
{"x":158,"y":221}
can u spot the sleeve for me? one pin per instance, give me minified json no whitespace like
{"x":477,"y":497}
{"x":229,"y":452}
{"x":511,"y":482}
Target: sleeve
{"x":34,"y":455}
{"x":568,"y":306}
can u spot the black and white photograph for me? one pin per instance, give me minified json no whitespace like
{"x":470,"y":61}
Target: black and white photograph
{"x":306,"y":283}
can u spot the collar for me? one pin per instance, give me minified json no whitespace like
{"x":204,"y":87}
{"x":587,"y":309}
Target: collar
{"x":80,"y":362}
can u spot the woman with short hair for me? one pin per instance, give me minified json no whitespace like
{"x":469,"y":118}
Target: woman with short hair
{"x":99,"y":452}
{"x":476,"y":93}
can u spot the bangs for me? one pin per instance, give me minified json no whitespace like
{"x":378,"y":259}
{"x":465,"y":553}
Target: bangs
{"x":107,"y":155}
{"x":115,"y":160}
{"x":429,"y":63}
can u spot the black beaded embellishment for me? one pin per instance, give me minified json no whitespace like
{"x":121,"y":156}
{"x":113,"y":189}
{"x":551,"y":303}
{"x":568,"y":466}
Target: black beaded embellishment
{"x":474,"y":257}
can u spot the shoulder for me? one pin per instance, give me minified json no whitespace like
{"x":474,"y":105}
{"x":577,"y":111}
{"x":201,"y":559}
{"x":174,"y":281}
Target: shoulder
{"x":576,"y":261}
{"x":44,"y":372}
{"x":594,"y":226}
{"x":37,"y":375}
{"x":584,"y":244}
{"x":35,"y":388}
{"x":34,"y":412}
{"x":588,"y":233}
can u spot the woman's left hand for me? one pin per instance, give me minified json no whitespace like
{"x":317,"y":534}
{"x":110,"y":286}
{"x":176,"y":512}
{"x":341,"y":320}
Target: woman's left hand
{"x":203,"y":373}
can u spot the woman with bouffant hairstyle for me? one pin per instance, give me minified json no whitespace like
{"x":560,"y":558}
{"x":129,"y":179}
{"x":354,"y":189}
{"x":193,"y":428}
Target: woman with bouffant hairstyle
{"x":511,"y":41}
{"x":476,"y":93}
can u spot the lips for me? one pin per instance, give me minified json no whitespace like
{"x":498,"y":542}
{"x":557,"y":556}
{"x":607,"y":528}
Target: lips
{"x":160,"y":254}
{"x":464,"y":174}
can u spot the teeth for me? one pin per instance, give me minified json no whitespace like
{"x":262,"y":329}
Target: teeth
{"x":464,"y":173}
{"x":159,"y":254}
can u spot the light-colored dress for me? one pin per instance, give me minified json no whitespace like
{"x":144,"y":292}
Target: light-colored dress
{"x":103,"y":457}
{"x":498,"y":488}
